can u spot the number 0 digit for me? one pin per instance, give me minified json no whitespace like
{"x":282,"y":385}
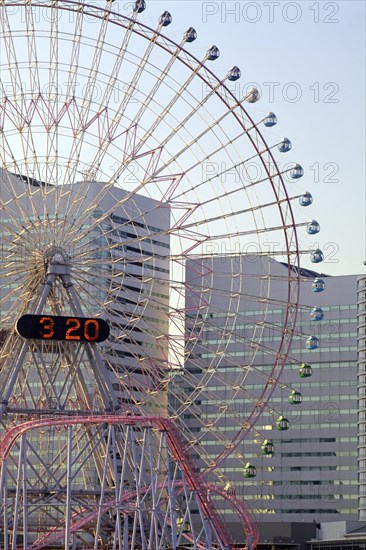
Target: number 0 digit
{"x":91,"y":330}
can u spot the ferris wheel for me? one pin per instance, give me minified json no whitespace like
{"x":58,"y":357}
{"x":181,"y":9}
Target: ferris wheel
{"x":139,"y":297}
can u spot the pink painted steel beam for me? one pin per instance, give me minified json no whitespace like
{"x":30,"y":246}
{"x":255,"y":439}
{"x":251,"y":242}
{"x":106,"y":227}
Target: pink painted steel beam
{"x":194,"y":481}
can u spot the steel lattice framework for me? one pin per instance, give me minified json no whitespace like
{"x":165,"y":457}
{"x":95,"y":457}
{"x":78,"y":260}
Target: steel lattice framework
{"x":126,"y":194}
{"x":151,"y":509}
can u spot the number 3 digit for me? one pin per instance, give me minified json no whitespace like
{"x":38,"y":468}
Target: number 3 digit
{"x":47,"y":327}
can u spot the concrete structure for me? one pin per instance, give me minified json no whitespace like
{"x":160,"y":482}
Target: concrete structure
{"x":119,"y":252}
{"x":361,"y":338}
{"x":312,"y":476}
{"x":340,"y":535}
{"x":113,"y":253}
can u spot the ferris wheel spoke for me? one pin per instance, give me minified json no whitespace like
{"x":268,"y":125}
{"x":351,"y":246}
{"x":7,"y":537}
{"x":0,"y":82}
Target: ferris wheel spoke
{"x":175,"y":130}
{"x":127,"y":95}
{"x":87,"y":102}
{"x":196,"y":109}
{"x":210,"y":129}
{"x":211,"y":156}
{"x":143,"y":139}
{"x":137,"y":190}
{"x":72,"y":79}
{"x":52,"y":139}
{"x":34,"y":76}
{"x":18,"y":106}
{"x":159,"y":82}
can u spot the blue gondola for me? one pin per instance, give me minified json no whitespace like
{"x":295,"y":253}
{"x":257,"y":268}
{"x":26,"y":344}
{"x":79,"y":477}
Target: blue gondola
{"x":285,"y":146}
{"x":234,"y":74}
{"x":270,"y":120}
{"x":316,"y":256}
{"x":213,"y":53}
{"x":318,"y":285}
{"x":296,"y":172}
{"x":312,"y":342}
{"x":306,"y":199}
{"x":140,"y":6}
{"x":190,"y":35}
{"x":165,"y":19}
{"x":317,"y":314}
{"x":313,"y":227}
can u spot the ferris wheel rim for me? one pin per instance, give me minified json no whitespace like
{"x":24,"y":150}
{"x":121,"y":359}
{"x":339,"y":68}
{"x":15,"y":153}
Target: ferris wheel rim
{"x":292,"y":281}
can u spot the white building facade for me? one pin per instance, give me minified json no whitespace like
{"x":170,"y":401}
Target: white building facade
{"x":118,"y":248}
{"x":361,"y":329}
{"x":313,"y":472}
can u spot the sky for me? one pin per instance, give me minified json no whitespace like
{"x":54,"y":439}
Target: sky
{"x":308,"y":60}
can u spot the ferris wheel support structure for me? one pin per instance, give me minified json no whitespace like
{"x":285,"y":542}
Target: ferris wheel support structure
{"x":57,"y":266}
{"x":175,"y":482}
{"x":154,"y":522}
{"x":108,"y":211}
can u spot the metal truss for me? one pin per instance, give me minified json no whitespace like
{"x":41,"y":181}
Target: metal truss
{"x":79,"y":479}
{"x":146,"y":493}
{"x":125,"y":158}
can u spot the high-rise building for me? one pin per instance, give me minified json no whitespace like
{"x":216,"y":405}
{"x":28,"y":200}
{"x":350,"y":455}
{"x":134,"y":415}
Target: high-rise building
{"x":312,"y":475}
{"x":79,"y":251}
{"x":118,"y":246}
{"x":361,"y":338}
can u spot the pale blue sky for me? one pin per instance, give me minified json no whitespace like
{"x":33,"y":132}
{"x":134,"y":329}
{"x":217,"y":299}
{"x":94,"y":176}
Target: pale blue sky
{"x":308,"y":60}
{"x":318,"y":58}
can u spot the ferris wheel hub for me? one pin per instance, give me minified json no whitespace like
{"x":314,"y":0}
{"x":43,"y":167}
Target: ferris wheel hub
{"x":145,"y":241}
{"x":56,"y":257}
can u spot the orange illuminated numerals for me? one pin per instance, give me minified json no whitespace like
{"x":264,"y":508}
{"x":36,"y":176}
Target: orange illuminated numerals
{"x":47,"y":330}
{"x":91,"y":330}
{"x":70,"y":333}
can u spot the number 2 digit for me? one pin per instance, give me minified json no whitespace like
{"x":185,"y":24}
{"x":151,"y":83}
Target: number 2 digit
{"x":74,"y":328}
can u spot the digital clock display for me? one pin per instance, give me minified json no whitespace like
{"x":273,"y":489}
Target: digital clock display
{"x":71,"y":329}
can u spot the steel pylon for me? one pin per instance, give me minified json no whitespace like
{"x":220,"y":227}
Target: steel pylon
{"x":75,"y":471}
